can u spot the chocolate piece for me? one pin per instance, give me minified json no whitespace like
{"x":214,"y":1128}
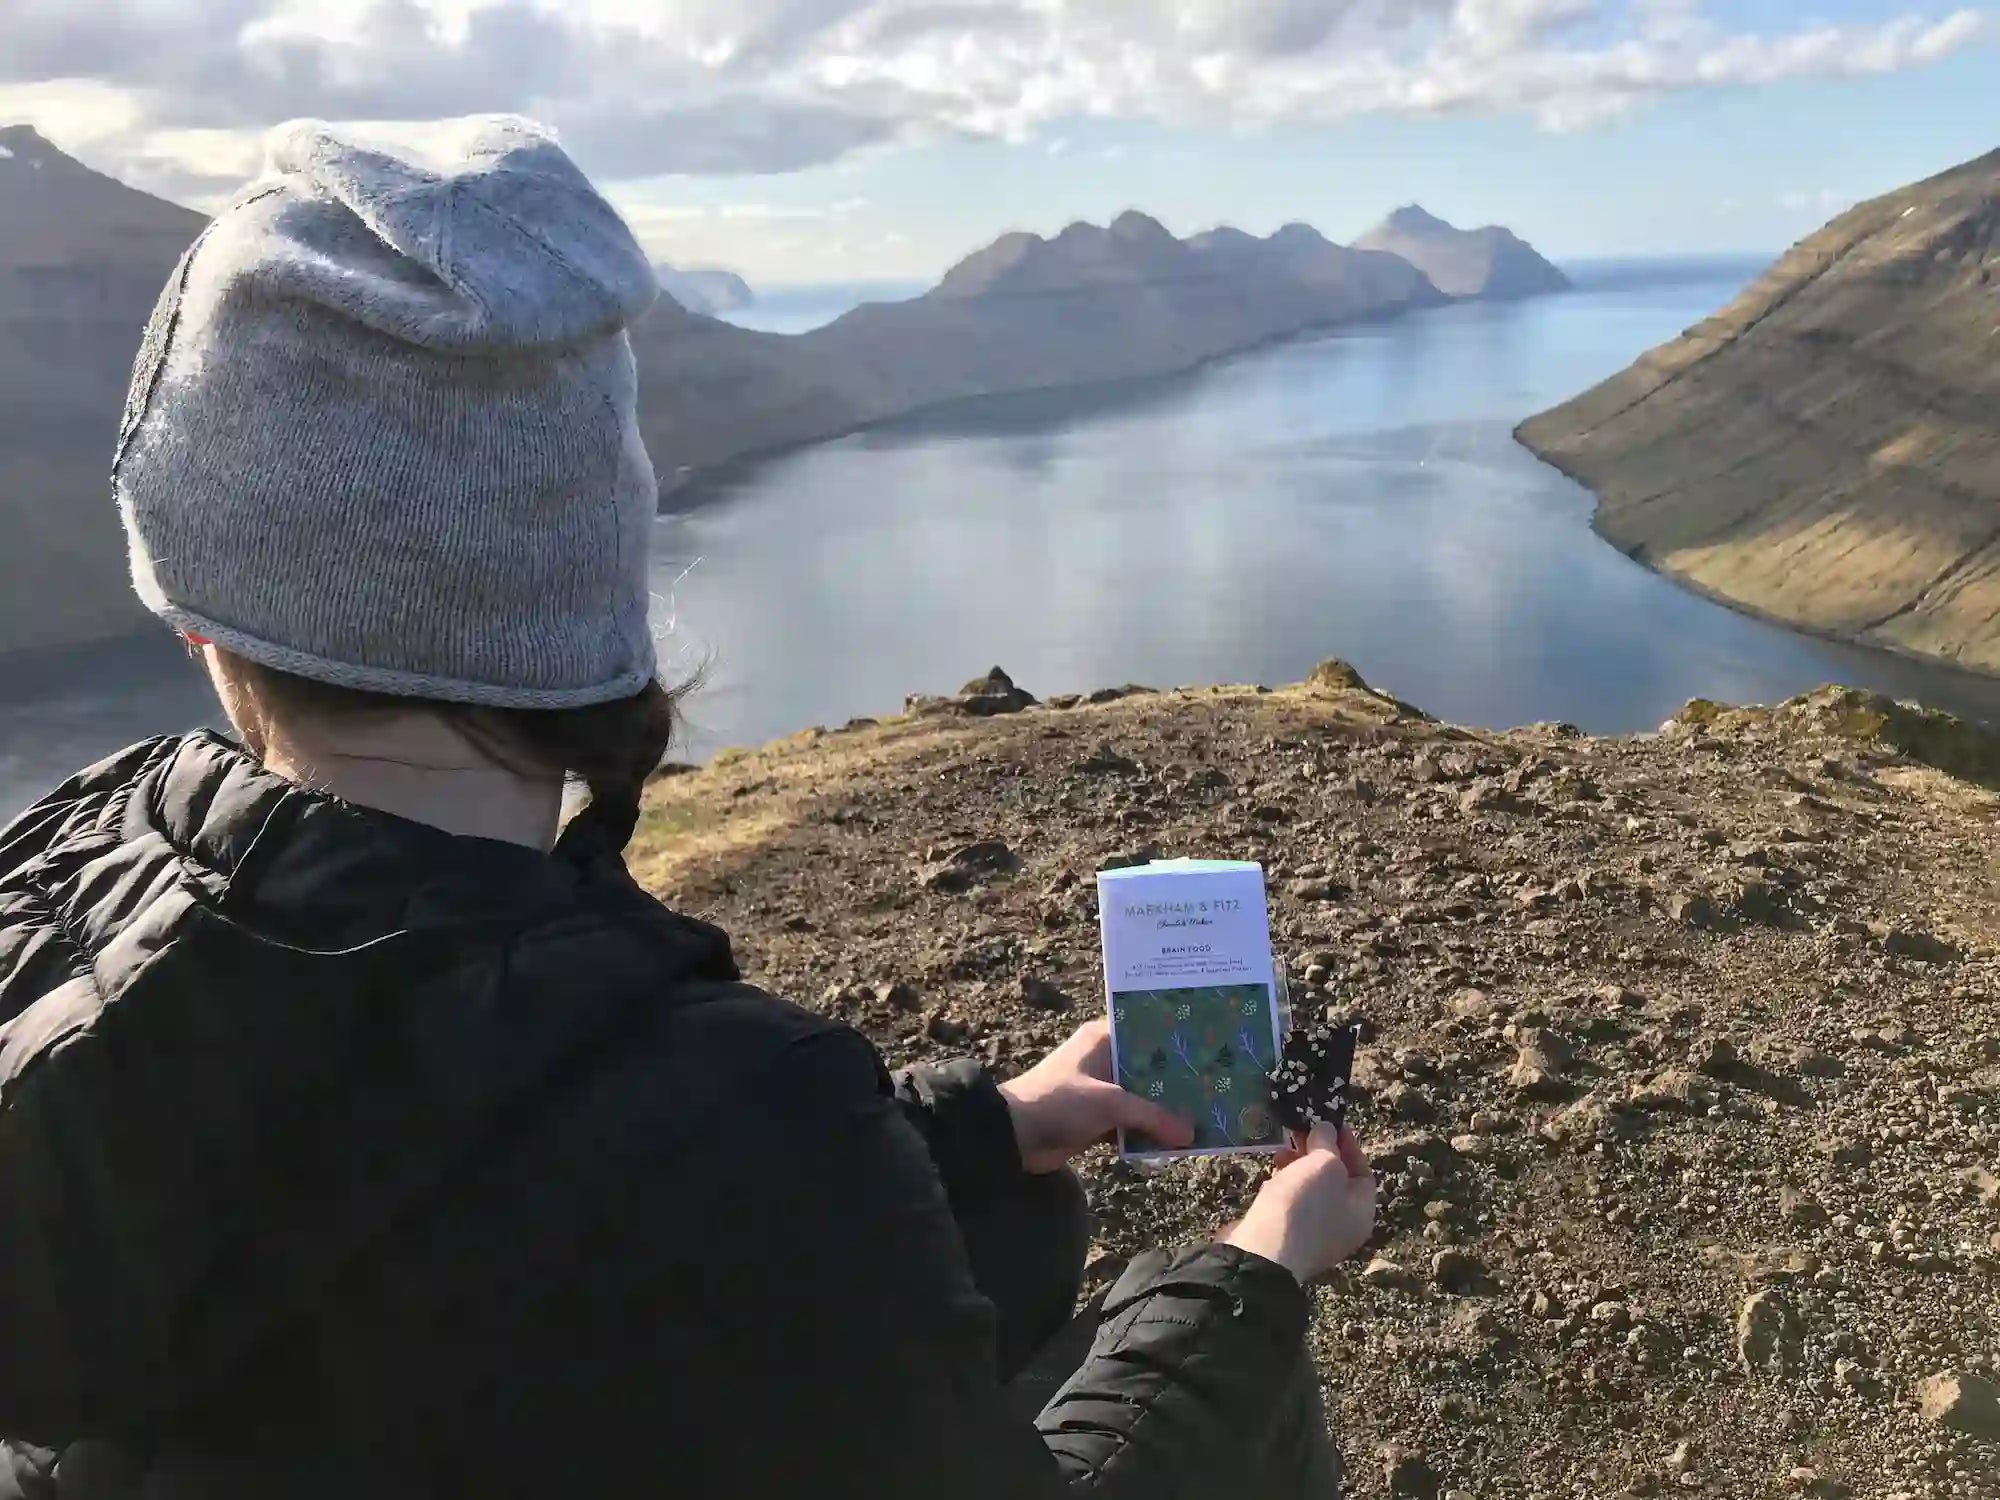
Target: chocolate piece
{"x":1309,"y":1085}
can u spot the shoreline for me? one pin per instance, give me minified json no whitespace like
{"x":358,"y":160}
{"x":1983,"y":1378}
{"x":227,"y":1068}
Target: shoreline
{"x":737,"y":465}
{"x":1973,"y":676}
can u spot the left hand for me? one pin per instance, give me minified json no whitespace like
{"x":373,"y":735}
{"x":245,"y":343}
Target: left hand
{"x":1067,"y":1102}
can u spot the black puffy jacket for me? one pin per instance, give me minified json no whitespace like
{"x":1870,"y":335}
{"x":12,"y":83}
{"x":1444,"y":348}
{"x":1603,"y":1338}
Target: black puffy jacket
{"x":339,"y":1155}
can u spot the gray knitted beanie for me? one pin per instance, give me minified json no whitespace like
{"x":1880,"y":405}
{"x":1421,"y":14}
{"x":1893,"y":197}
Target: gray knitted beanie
{"x":381,"y":431}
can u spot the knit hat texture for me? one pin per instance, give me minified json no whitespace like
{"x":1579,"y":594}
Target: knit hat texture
{"x":382,"y":428}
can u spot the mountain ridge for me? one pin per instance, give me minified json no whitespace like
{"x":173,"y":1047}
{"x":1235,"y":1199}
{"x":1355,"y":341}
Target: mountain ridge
{"x":704,"y":289}
{"x":1490,"y":261}
{"x":1825,"y":450}
{"x":82,"y":258}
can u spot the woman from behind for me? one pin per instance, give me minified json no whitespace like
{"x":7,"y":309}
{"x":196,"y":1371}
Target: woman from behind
{"x":364,"y":1128}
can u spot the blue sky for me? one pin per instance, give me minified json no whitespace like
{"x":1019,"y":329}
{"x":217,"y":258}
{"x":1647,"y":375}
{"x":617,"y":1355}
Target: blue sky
{"x":1751,"y":169}
{"x":841,"y":140}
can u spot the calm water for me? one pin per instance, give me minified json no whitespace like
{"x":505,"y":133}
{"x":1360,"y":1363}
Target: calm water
{"x":1355,"y":495}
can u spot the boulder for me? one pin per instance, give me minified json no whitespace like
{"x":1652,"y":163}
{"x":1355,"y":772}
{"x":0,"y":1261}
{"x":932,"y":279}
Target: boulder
{"x":1963,"y":1402}
{"x":1334,"y":675}
{"x":995,"y":693}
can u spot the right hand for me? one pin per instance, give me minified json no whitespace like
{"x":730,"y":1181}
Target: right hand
{"x":1315,"y":1211}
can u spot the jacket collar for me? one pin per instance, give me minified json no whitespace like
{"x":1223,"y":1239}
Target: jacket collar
{"x":346,"y":873}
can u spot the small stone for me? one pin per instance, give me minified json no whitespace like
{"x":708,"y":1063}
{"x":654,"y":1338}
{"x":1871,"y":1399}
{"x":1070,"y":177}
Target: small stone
{"x":1106,"y":761}
{"x":1962,"y":1401}
{"x":1103,"y":1266}
{"x":1529,"y":1079}
{"x":1796,"y":1208}
{"x":1767,"y":1333}
{"x":1407,"y":1475}
{"x":1716,"y":1057}
{"x":1546,"y":1306}
{"x":1692,"y":909}
{"x":1472,"y":1004}
{"x":1675,"y":1088}
{"x":898,"y":996}
{"x":1681,"y":1460}
{"x":963,"y":868}
{"x":1611,"y":1314}
{"x":1852,"y":1375}
{"x":941,"y":1027}
{"x":1458,"y":1271}
{"x":1386,"y":1273}
{"x":1904,"y":942}
{"x":1039,"y":994}
{"x":1847,"y":1151}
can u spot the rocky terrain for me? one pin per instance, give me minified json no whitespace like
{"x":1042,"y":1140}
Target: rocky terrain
{"x":1826,"y":449}
{"x":1682,"y":1052}
{"x":1488,"y":262}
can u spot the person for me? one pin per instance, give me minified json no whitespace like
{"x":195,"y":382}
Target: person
{"x":366,"y":1129}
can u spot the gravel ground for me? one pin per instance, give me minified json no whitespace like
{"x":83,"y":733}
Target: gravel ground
{"x":1681,"y":1065}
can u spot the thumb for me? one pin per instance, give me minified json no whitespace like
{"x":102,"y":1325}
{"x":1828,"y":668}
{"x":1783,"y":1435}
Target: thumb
{"x":1130,"y":1112}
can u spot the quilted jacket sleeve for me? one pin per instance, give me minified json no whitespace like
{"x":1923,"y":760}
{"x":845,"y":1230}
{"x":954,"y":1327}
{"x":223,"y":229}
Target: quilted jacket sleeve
{"x":959,"y":1111}
{"x":1191,"y":1361}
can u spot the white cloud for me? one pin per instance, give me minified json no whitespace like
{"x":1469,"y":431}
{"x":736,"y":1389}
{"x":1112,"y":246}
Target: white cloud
{"x":176,"y":91}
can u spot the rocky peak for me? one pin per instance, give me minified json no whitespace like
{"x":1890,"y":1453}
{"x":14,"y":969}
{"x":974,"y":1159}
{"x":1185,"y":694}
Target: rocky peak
{"x":24,"y":146}
{"x":1414,"y":218}
{"x":1141,"y":229}
{"x":1295,"y":233}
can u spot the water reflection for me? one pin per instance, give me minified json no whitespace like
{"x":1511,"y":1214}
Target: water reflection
{"x":1357,"y":495}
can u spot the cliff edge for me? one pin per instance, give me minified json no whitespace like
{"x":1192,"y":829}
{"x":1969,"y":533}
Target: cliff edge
{"x":1826,"y":449}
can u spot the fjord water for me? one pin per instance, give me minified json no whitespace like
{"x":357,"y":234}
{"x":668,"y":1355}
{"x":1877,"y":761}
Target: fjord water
{"x":1356,"y":495}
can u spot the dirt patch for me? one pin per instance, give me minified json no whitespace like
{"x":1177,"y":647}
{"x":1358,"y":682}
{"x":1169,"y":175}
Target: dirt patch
{"x":1680,"y":1051}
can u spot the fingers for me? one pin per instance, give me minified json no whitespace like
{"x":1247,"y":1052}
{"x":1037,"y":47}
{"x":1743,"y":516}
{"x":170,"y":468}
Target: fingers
{"x":1351,"y":1155}
{"x":1089,"y":1047}
{"x":1323,"y":1138}
{"x":1155,"y":1121}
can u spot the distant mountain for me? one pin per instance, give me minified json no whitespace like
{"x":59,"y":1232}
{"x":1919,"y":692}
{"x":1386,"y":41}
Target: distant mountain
{"x":1094,"y":303}
{"x":704,"y":289}
{"x":1826,"y":449}
{"x":82,"y":259}
{"x":1489,"y":262}
{"x":1370,"y":278}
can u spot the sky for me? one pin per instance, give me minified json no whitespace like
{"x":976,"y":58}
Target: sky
{"x":802,"y":141}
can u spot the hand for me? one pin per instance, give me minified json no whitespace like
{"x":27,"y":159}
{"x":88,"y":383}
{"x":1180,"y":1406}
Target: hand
{"x":1317,"y":1209}
{"x":1067,"y":1102}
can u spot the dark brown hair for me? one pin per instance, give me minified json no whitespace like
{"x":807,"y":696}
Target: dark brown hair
{"x":612,"y":748}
